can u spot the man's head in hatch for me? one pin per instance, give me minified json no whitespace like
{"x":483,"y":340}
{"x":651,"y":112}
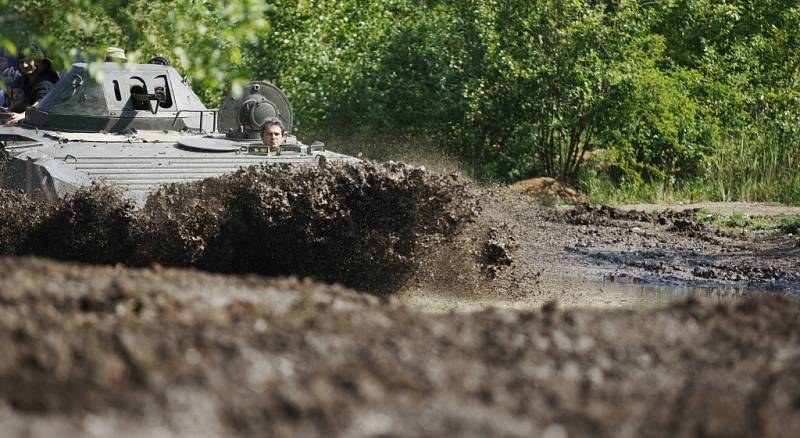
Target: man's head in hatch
{"x":272,"y":132}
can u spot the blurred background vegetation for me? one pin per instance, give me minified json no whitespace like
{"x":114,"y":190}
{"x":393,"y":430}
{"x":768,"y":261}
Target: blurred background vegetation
{"x":656,"y":100}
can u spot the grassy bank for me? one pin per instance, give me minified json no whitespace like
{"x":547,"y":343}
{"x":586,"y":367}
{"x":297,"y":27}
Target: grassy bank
{"x":746,"y":169}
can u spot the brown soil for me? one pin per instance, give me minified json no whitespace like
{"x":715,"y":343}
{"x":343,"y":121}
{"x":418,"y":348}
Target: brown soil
{"x":158,"y":351}
{"x":547,"y":188}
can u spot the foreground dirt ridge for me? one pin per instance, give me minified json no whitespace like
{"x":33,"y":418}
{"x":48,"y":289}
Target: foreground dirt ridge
{"x":138,"y":349}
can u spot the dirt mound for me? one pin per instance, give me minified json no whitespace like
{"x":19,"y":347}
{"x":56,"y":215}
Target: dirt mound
{"x":588,"y":214}
{"x":359,"y":224}
{"x":548,"y":188}
{"x":173,"y":352}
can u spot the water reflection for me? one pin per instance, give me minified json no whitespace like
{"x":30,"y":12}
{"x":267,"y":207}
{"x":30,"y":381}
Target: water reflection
{"x":572,"y":294}
{"x":649,"y":296}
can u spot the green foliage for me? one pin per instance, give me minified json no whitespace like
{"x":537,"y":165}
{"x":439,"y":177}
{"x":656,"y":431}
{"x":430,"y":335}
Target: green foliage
{"x":629,"y":100}
{"x":663,"y":134}
{"x":790,"y":225}
{"x":736,"y":66}
{"x":203,"y":40}
{"x":786,"y":224}
{"x":742,"y":221}
{"x":548,"y":71}
{"x":755,"y":167}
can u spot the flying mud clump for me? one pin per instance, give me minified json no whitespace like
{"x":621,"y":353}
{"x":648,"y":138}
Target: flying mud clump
{"x":363,"y":225}
{"x":497,"y":249}
{"x":92,"y":226}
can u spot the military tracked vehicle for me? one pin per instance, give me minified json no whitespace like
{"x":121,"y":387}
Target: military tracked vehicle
{"x":140,"y":126}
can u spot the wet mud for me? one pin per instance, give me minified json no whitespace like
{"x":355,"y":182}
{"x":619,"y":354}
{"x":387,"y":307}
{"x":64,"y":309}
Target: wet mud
{"x":178,"y":319}
{"x":673,"y":247}
{"x":363,"y":225}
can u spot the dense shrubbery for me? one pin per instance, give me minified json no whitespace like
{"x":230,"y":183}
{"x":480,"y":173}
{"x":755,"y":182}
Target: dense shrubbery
{"x":678,"y":94}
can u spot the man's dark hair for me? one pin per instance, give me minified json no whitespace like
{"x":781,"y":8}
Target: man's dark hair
{"x":272,"y":121}
{"x":34,"y":52}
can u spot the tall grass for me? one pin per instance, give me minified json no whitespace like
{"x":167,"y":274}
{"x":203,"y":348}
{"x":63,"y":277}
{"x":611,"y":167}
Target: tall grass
{"x":601,"y":190}
{"x":752,"y":167}
{"x":755,"y":168}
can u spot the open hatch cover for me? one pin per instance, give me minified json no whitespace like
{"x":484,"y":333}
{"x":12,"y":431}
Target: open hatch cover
{"x":209,"y":144}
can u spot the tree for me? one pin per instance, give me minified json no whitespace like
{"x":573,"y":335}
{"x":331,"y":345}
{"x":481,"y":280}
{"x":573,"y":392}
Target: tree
{"x":549,"y":75}
{"x":202,"y":39}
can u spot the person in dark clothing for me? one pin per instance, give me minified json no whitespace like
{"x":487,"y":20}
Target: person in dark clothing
{"x":38,"y":77}
{"x":9,"y":73}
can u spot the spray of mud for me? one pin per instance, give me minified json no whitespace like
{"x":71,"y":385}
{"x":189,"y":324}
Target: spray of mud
{"x":364,"y":225}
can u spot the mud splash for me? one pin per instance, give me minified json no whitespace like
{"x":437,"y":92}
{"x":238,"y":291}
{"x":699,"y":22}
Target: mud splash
{"x":363,"y":225}
{"x":19,"y":216}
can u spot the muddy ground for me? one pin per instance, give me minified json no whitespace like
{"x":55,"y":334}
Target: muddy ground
{"x":469,"y":312}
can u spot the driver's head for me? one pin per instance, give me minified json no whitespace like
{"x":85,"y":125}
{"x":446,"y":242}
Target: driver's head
{"x":272,"y":132}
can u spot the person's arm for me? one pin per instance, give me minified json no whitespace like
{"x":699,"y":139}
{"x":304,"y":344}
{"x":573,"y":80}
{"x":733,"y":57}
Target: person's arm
{"x":15,"y":118}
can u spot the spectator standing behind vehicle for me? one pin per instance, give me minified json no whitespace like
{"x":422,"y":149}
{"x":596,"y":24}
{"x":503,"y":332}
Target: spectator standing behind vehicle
{"x":9,"y":73}
{"x":115,"y":54}
{"x":38,"y":77}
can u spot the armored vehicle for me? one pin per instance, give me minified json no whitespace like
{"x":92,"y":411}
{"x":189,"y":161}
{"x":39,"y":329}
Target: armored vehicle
{"x":138,"y":126}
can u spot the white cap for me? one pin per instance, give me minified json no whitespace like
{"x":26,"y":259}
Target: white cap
{"x":114,"y":53}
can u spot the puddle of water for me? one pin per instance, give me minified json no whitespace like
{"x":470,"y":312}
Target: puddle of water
{"x":646,"y":296}
{"x":570,"y":294}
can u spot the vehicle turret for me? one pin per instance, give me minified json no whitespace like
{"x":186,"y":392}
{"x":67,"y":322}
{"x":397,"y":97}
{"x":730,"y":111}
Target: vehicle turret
{"x":124,"y":97}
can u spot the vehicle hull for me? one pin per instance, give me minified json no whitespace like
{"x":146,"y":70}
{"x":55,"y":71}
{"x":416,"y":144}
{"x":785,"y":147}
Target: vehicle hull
{"x":51,"y":164}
